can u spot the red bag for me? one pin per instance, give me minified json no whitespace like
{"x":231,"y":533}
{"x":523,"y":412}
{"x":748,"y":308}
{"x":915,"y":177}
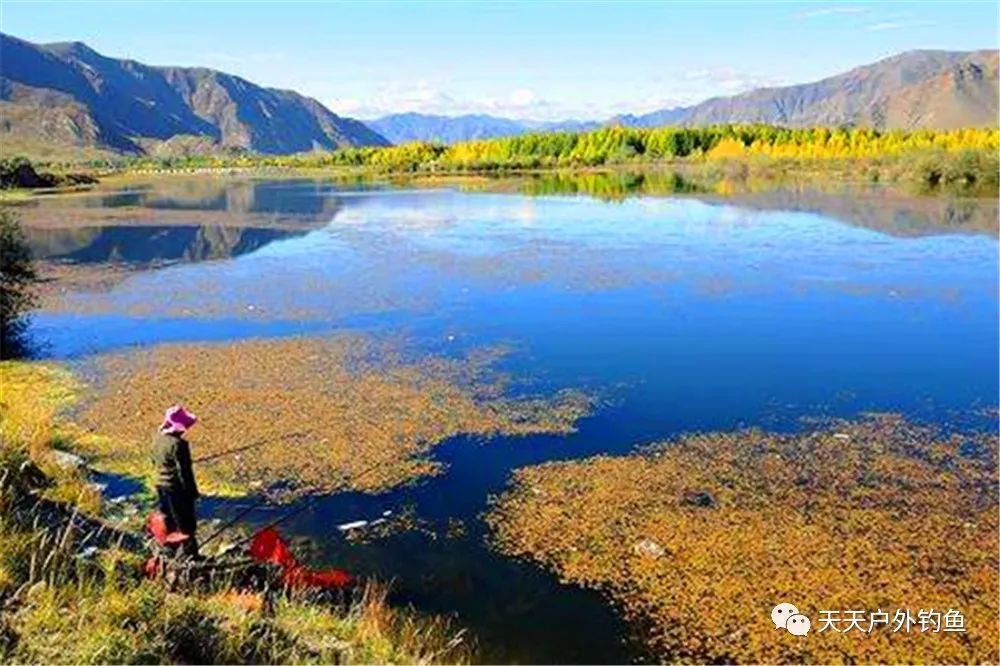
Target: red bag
{"x":331,"y":579}
{"x":268,"y":546}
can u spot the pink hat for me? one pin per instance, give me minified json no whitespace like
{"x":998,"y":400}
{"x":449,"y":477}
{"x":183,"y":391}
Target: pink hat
{"x":177,"y":420}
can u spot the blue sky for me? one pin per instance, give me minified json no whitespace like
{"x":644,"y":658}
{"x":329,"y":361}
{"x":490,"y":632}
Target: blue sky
{"x":541,"y":60}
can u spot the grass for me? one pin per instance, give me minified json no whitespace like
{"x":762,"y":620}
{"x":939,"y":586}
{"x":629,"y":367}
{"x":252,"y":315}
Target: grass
{"x":967,"y":173}
{"x":32,"y":398}
{"x":15,"y":196}
{"x":142,"y":623}
{"x":61,"y":604}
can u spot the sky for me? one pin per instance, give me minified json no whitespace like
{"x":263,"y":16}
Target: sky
{"x":529,"y":60}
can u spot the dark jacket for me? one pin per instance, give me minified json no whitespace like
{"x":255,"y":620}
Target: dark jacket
{"x":172,"y":462}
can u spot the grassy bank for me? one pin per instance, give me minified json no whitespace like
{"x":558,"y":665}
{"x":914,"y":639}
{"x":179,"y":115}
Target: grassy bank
{"x":63,"y":602}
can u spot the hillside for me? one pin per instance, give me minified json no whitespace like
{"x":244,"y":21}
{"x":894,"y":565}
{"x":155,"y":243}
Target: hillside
{"x":67,"y":97}
{"x":935,"y":89}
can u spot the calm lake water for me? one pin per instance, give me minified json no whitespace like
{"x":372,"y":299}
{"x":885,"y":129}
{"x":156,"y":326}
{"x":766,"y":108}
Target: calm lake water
{"x":688,"y":312}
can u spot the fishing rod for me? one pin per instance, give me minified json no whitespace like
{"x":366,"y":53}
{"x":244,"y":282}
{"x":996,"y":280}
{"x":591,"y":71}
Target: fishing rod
{"x":274,"y":523}
{"x":246,"y":447}
{"x":264,"y":500}
{"x":296,"y":511}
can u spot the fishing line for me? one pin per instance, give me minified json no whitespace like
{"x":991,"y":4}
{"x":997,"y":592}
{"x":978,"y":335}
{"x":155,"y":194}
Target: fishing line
{"x":252,"y":445}
{"x":296,"y":511}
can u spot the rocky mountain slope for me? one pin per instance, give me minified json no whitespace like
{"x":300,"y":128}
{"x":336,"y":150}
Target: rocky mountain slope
{"x":69,"y":96}
{"x":937,"y":89}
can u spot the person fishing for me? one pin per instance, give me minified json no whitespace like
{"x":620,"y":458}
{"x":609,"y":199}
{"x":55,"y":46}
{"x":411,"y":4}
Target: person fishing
{"x":176,"y":489}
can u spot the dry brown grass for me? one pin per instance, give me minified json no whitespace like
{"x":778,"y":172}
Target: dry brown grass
{"x":315,"y":410}
{"x":32,"y":398}
{"x":880,"y":514}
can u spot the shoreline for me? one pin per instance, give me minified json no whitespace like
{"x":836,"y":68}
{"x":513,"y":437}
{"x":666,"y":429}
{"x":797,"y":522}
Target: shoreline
{"x":702,"y":171}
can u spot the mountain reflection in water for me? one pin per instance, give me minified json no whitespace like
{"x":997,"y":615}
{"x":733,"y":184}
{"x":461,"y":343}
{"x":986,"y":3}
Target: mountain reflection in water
{"x":149,"y":245}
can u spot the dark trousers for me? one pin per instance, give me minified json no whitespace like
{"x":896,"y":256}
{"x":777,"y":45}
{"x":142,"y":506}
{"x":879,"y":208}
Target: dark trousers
{"x":178,"y":511}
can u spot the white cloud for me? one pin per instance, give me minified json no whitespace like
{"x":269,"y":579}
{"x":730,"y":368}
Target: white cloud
{"x":648,"y":104}
{"x":831,"y":11}
{"x":522,"y":97}
{"x":420,"y":96}
{"x":895,"y":25}
{"x":347,"y":106}
{"x":424,"y":97}
{"x":672,"y":89}
{"x":685,"y":88}
{"x":727,"y":80}
{"x":887,"y":25}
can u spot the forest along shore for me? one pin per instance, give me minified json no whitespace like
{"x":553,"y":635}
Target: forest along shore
{"x":954,"y":161}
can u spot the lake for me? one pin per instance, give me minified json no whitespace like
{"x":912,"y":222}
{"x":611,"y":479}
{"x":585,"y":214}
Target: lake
{"x":680,"y":311}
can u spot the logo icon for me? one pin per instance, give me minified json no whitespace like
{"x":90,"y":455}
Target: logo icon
{"x":798,"y":625}
{"x":781,"y":613}
{"x":787,"y":616}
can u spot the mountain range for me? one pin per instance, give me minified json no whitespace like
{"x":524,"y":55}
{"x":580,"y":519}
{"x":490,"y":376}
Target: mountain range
{"x":67,"y":99}
{"x":403,"y":127}
{"x":68,"y":96}
{"x":936,"y":89}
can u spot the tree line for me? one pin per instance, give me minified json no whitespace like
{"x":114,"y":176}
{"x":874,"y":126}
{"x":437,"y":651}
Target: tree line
{"x":614,"y":145}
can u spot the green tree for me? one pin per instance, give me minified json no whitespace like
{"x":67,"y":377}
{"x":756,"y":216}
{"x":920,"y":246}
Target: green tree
{"x":17,"y":277}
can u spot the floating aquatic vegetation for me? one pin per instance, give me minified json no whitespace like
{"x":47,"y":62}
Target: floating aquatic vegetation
{"x":698,"y":539}
{"x":307,"y":414}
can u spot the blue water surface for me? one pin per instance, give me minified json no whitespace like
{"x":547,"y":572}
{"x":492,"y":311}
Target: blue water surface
{"x":681,"y":313}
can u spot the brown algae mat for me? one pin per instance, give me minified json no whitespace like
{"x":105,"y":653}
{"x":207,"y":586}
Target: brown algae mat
{"x":695,"y":541}
{"x":307,"y":414}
